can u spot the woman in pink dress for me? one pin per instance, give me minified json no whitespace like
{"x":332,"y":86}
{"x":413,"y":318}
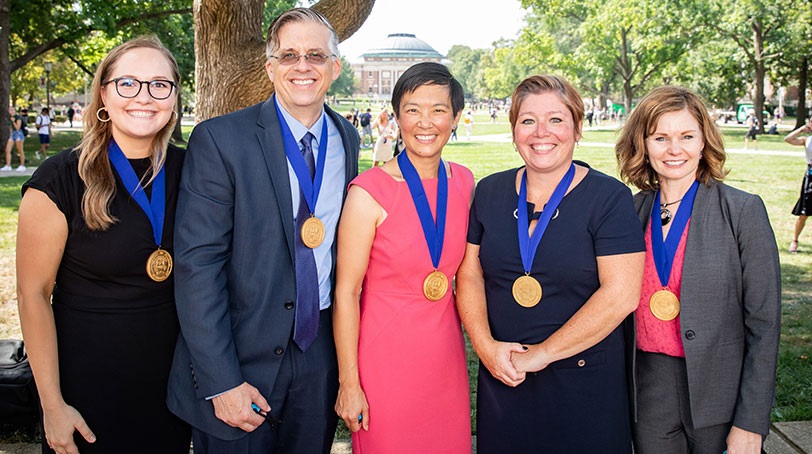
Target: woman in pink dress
{"x":403,"y":380}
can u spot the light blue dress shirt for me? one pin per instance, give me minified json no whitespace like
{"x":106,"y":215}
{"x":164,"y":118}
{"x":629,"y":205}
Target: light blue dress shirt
{"x":331,"y":195}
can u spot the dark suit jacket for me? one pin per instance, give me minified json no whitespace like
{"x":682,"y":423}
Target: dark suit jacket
{"x":234,"y":249}
{"x":730,"y":313}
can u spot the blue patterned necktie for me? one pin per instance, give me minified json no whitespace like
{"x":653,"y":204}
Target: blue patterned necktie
{"x":307,"y":279}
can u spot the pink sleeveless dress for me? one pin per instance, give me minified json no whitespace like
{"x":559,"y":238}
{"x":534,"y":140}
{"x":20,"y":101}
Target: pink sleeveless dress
{"x":411,"y":353}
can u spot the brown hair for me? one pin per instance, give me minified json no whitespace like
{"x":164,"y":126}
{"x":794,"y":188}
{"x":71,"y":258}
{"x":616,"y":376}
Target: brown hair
{"x":94,"y":165}
{"x":545,"y":83}
{"x":298,"y":15}
{"x":631,"y":151}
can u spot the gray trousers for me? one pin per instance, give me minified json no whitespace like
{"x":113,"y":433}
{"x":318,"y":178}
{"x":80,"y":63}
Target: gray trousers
{"x":664,"y":424}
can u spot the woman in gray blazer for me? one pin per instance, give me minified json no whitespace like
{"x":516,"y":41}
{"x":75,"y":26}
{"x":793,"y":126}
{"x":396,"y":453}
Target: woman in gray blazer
{"x":705,"y":334}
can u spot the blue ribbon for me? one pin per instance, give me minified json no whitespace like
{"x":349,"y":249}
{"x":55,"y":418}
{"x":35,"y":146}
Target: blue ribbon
{"x":434,"y":231}
{"x":529,"y":244}
{"x":664,"y":251}
{"x":310,"y":187}
{"x":155,"y":207}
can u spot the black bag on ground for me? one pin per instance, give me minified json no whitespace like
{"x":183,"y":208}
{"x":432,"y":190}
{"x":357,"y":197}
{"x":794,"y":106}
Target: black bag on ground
{"x":18,"y":403}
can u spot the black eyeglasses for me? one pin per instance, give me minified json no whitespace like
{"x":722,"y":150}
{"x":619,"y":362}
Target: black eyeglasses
{"x":127,"y":87}
{"x":313,"y":57}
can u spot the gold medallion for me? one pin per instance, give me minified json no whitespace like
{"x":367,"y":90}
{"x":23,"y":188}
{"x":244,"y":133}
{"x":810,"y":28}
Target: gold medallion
{"x":664,"y":305}
{"x":526,"y":291}
{"x":312,"y":232}
{"x":159,"y":265}
{"x":435,"y":286}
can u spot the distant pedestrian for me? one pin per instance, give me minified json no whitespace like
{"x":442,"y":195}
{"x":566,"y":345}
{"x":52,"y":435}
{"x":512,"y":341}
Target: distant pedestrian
{"x":384,"y":149}
{"x":24,"y":121}
{"x":468,"y":122}
{"x":16,"y":138}
{"x":802,"y":137}
{"x":752,"y":131}
{"x":71,"y":113}
{"x":365,"y":120}
{"x":44,"y":130}
{"x":353,"y":118}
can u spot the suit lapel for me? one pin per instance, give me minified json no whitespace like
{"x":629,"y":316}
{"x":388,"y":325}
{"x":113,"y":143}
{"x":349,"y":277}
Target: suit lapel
{"x":351,"y":154}
{"x":270,"y":140}
{"x":695,"y":257}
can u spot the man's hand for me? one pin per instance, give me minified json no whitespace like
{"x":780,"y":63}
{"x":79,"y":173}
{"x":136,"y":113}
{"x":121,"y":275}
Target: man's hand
{"x":233,"y":407}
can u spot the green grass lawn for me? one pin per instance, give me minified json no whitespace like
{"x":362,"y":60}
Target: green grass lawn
{"x":775,"y":178}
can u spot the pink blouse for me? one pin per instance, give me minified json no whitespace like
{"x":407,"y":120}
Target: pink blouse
{"x":655,"y":335}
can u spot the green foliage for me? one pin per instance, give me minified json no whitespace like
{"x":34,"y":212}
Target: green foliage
{"x":501,"y":70}
{"x":465,"y":66}
{"x":715,"y":69}
{"x":345,"y":84}
{"x":594,"y":43}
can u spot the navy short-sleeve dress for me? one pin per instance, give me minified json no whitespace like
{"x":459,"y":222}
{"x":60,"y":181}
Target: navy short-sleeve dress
{"x":116,"y":328}
{"x":577,"y":404}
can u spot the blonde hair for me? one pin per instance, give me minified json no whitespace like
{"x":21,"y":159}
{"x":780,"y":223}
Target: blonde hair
{"x":630,"y":149}
{"x":94,"y":165}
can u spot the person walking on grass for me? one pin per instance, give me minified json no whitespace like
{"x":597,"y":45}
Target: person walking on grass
{"x":803,"y":138}
{"x":752,"y":129}
{"x":44,"y":130}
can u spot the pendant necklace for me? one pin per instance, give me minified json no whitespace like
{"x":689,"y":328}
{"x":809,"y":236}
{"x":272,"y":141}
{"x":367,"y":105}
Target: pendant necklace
{"x":665,"y":213}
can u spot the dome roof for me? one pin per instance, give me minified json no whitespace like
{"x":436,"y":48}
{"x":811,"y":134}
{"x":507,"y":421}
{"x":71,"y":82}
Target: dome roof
{"x":402,"y":45}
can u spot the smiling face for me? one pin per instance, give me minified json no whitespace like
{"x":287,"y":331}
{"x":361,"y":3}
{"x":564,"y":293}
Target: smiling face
{"x":135,"y":122}
{"x":301,"y":87}
{"x":426,"y":119}
{"x":675,"y":148}
{"x":545,"y":133}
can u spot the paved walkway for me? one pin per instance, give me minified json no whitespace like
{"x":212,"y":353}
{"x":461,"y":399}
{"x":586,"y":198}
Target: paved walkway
{"x":785,"y":438}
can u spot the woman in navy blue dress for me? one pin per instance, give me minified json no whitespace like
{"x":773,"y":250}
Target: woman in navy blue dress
{"x":553,"y":265}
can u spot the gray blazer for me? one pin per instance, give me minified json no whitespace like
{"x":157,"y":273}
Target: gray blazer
{"x":234,"y":247}
{"x":730,"y":311}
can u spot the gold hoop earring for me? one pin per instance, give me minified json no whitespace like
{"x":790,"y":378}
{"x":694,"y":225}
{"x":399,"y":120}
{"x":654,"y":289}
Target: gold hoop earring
{"x":98,"y":117}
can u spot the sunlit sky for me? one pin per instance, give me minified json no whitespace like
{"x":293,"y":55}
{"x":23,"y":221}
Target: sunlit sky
{"x":440,"y":23}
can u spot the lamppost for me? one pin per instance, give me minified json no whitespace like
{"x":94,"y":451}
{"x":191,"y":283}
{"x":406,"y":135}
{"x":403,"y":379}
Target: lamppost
{"x":48,"y":67}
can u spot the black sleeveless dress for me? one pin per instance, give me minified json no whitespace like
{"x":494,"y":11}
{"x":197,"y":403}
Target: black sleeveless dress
{"x":116,"y":328}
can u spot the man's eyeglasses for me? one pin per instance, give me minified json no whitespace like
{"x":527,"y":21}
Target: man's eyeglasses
{"x":127,"y":87}
{"x":314,"y":58}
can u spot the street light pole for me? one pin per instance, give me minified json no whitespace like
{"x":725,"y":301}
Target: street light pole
{"x":48,"y":67}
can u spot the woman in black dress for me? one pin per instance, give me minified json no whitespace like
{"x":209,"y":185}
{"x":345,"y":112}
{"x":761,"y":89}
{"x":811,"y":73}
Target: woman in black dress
{"x":802,"y":137}
{"x":553,"y":265}
{"x":95,"y":232}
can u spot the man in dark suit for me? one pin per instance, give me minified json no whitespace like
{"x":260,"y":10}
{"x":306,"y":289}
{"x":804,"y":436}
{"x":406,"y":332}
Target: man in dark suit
{"x":262,"y":189}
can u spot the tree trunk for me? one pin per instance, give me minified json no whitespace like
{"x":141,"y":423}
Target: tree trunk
{"x":760,"y":72}
{"x":803,"y":80}
{"x":177,"y":133}
{"x":5,"y":69}
{"x":230,"y":50}
{"x":625,"y":70}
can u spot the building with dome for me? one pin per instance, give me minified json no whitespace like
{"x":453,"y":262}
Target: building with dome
{"x":379,"y":68}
